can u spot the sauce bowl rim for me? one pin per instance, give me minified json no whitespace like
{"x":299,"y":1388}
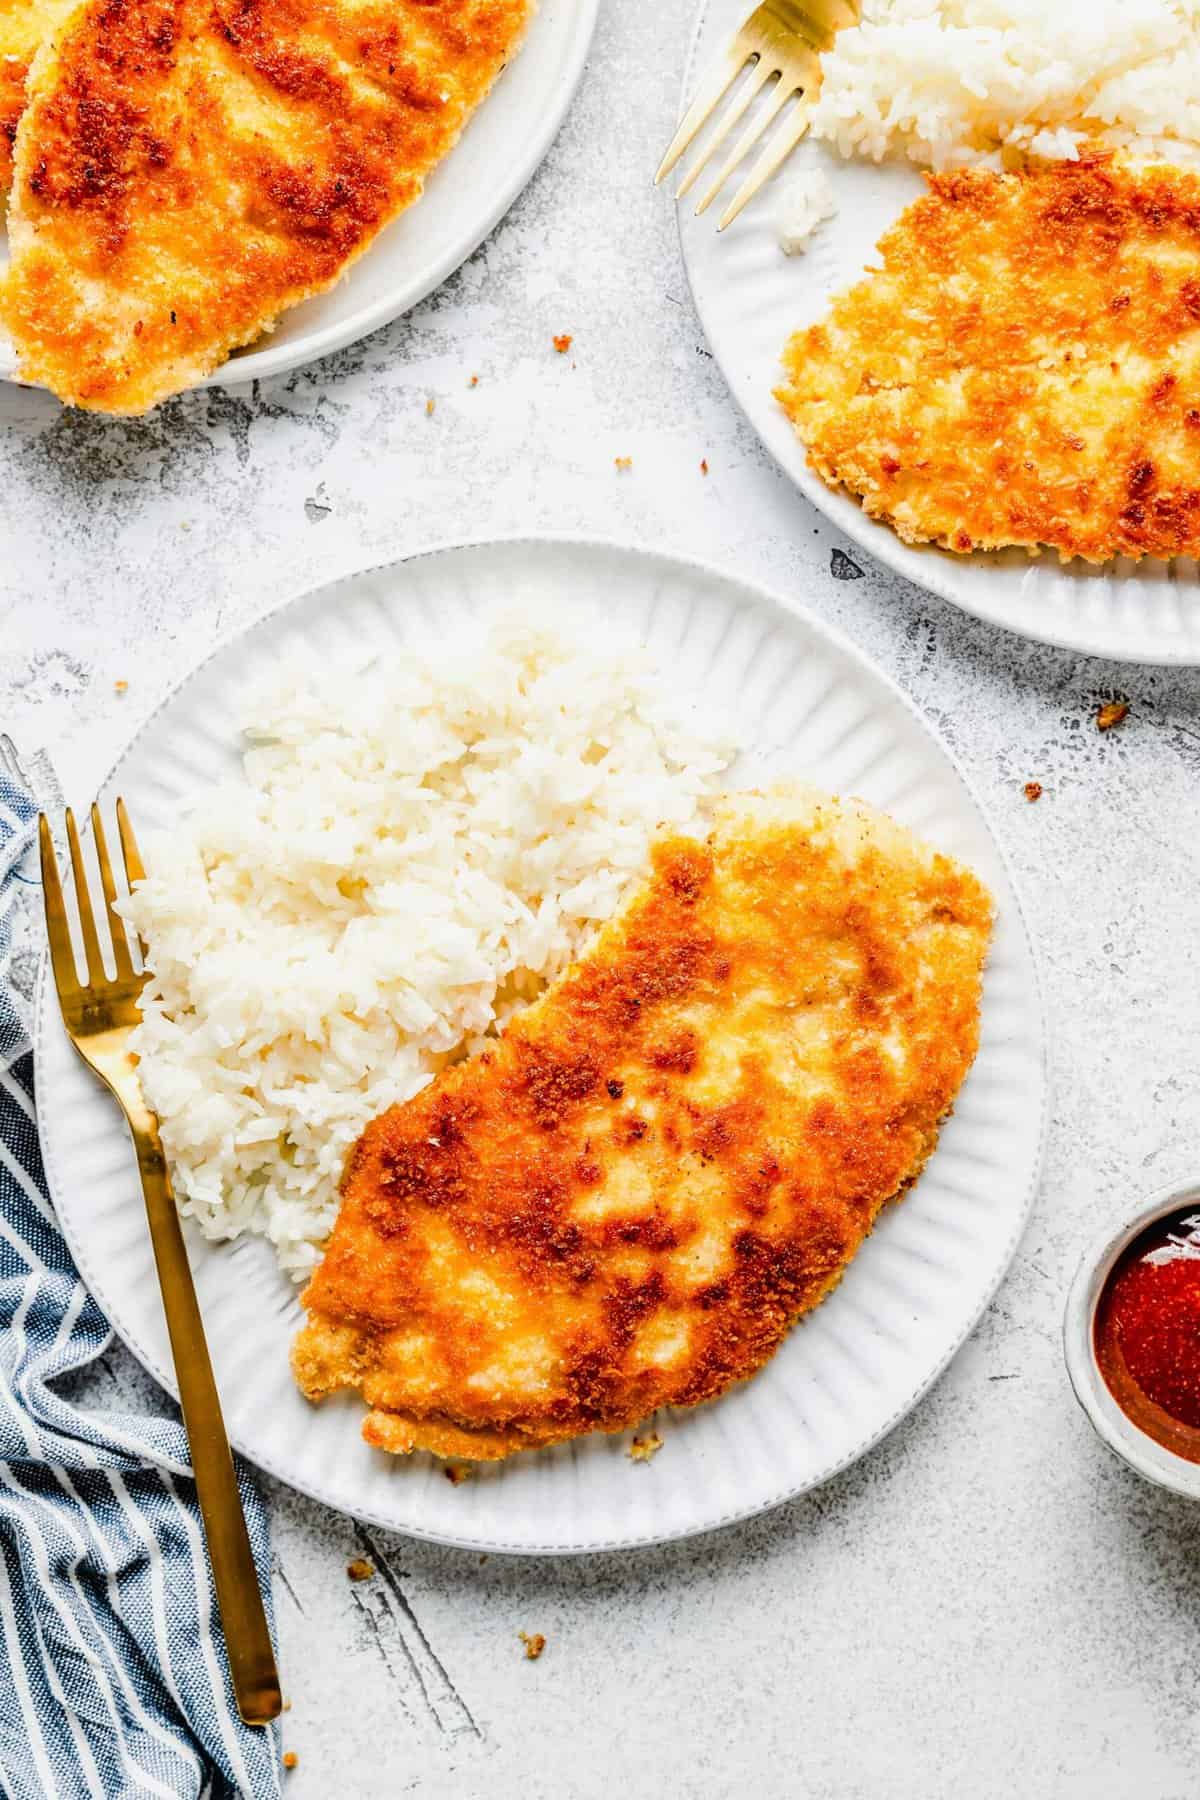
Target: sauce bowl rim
{"x":1153,"y":1461}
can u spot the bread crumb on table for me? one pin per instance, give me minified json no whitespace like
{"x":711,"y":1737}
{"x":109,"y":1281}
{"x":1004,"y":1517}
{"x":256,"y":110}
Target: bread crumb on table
{"x":563,"y":343}
{"x":534,"y":1643}
{"x":623,"y":463}
{"x":1033,"y":790}
{"x":643,"y":1448}
{"x":1113,"y":712}
{"x":360,"y":1569}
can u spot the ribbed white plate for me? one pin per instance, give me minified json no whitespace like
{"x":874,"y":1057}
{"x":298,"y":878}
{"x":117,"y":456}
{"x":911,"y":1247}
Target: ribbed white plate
{"x":464,"y":199}
{"x":806,"y":703}
{"x":751,"y":298}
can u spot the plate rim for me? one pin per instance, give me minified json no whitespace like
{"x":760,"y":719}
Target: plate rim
{"x":924,"y":566}
{"x":697,"y":567}
{"x":579,"y":30}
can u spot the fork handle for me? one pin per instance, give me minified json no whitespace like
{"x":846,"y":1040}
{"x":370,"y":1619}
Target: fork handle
{"x":248,"y":1640}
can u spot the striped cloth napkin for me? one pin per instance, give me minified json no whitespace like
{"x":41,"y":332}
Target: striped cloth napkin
{"x":113,"y":1676}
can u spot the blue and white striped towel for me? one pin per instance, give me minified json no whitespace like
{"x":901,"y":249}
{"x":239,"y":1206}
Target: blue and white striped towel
{"x":113,"y":1678}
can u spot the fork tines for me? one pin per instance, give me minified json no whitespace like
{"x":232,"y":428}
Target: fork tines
{"x":58,"y":931}
{"x":781,"y":43}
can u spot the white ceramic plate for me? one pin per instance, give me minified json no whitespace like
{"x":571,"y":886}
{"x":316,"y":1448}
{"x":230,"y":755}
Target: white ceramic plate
{"x":751,"y":298}
{"x":805,"y":703}
{"x":464,"y":199}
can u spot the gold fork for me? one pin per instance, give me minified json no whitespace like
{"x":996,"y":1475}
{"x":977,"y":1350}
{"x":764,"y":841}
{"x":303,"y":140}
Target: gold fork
{"x":100,"y":1014}
{"x":782,"y":41}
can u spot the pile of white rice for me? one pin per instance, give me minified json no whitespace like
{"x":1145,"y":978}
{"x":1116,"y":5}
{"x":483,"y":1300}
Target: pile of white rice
{"x":943,"y":80}
{"x":414,"y":851}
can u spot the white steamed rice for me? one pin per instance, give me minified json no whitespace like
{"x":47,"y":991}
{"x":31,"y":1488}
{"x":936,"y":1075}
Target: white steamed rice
{"x":943,"y":80}
{"x":413,"y":853}
{"x":805,"y":202}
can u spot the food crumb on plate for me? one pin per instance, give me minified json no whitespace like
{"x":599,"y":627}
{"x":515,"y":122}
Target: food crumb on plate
{"x":1033,"y":791}
{"x":534,"y":1643}
{"x":360,"y":1569}
{"x":623,"y":463}
{"x":704,"y":465}
{"x":644,"y":1447}
{"x":1113,"y":712}
{"x":120,"y":687}
{"x":563,"y":342}
{"x":430,"y":407}
{"x":806,"y":201}
{"x":457,"y":1473}
{"x":474,"y":381}
{"x":290,"y":1759}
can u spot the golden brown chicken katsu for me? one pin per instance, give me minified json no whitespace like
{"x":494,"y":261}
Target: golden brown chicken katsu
{"x":672,"y":1155}
{"x":23,"y":26}
{"x":185,"y":171}
{"x":1024,"y":368}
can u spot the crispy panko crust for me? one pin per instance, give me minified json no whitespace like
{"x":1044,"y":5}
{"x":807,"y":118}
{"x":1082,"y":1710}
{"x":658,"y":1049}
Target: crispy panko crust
{"x":1025,"y":367}
{"x":24,"y":25}
{"x":668,"y":1158}
{"x":187,"y":169}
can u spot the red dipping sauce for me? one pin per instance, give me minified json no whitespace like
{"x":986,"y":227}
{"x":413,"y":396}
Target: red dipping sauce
{"x":1147,"y":1332}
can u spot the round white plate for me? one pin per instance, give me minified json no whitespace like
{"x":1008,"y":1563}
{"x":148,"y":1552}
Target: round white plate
{"x":806,"y":703}
{"x":465,"y":197}
{"x":751,"y":298}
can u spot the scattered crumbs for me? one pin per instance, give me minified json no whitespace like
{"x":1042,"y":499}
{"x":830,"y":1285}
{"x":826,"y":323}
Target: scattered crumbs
{"x":704,"y":465}
{"x":1033,"y":791}
{"x":185,"y":524}
{"x":290,"y":1759}
{"x":563,"y":344}
{"x":474,"y":381}
{"x":287,"y":1706}
{"x":624,"y":463}
{"x":643,"y":1448}
{"x":456,"y":1473}
{"x":430,"y":407}
{"x":120,"y":687}
{"x":534,"y":1644}
{"x":1113,"y":712}
{"x":360,"y":1569}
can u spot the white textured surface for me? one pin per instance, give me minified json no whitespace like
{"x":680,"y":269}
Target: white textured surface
{"x":802,"y":706}
{"x":751,"y":299}
{"x":986,"y":1606}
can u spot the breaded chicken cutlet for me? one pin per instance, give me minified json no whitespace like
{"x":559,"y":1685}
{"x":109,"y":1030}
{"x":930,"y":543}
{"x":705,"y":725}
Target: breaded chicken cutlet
{"x":24,"y":24}
{"x":186,"y":171}
{"x":669,"y":1157}
{"x":1024,"y":369}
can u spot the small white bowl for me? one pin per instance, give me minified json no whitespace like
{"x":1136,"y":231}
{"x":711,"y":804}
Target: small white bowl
{"x":1153,"y":1460}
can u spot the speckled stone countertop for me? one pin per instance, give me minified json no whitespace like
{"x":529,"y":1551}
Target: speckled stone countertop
{"x":988,"y":1605}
